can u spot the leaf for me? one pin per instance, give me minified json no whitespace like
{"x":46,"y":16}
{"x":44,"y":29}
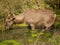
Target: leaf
{"x":34,"y":35}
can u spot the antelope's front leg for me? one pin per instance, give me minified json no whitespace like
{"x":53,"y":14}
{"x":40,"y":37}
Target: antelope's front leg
{"x":32,"y":26}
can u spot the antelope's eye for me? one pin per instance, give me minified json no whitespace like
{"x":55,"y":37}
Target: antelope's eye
{"x":12,"y":19}
{"x":9,"y":21}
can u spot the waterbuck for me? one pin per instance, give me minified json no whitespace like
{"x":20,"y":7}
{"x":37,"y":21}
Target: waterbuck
{"x":32,"y":17}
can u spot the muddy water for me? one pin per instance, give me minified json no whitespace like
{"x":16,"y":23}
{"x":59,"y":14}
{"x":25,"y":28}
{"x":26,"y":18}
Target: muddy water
{"x":13,"y":34}
{"x":20,"y":34}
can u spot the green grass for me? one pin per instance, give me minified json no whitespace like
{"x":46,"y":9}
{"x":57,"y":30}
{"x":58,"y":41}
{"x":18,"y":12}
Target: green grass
{"x":10,"y":42}
{"x":21,"y":25}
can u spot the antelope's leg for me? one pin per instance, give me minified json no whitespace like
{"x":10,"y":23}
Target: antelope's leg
{"x":32,"y":26}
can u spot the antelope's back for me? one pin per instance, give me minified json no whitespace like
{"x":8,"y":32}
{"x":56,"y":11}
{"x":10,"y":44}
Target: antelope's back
{"x":34,"y":16}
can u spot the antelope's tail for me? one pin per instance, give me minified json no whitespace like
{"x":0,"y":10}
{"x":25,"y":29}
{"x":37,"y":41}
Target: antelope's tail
{"x":55,"y":17}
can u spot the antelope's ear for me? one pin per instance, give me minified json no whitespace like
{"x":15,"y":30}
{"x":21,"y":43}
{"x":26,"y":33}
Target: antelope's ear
{"x":13,"y":16}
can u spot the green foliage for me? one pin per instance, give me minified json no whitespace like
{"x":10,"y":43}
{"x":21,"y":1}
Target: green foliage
{"x":19,"y":6}
{"x":55,"y":41}
{"x":10,"y":42}
{"x":34,"y":34}
{"x":57,"y":25}
{"x":58,"y":12}
{"x":21,"y":25}
{"x":31,"y":40}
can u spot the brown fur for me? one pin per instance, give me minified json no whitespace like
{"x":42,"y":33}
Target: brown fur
{"x":38,"y":17}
